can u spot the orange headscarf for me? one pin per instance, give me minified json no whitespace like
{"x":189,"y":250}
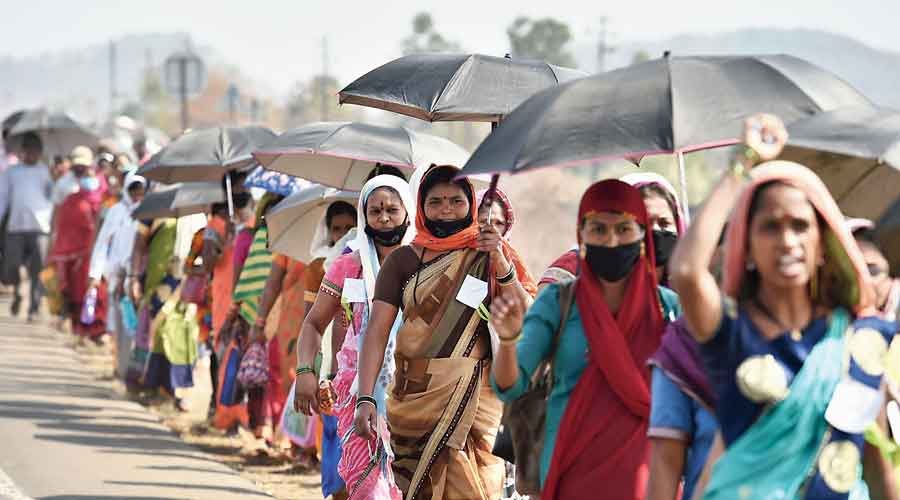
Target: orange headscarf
{"x":844,"y":261}
{"x":468,"y":236}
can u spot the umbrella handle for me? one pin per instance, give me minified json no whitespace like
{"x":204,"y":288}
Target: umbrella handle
{"x":228,"y":195}
{"x":682,"y":175}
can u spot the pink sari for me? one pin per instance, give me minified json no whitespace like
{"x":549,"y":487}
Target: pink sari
{"x":365,"y":477}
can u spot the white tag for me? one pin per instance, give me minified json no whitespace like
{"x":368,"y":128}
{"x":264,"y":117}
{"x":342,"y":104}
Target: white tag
{"x":472,"y":292}
{"x":495,"y":339}
{"x":893,"y":415}
{"x":354,"y":290}
{"x":853,"y":406}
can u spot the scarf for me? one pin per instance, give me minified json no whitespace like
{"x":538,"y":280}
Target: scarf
{"x":465,"y":238}
{"x":845,"y":268}
{"x":679,"y":357}
{"x":644,"y":179}
{"x":619,"y":347}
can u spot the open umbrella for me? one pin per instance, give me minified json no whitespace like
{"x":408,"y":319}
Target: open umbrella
{"x":453,"y":87}
{"x":275,"y":182}
{"x":179,"y":200}
{"x":206,"y":154}
{"x":59,"y":132}
{"x":856,"y":152}
{"x":668,"y":105}
{"x":341,"y":154}
{"x":292,"y":223}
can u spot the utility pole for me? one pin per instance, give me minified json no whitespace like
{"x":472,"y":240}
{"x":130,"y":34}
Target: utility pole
{"x":322,"y":90}
{"x":603,"y":47}
{"x":112,"y":78}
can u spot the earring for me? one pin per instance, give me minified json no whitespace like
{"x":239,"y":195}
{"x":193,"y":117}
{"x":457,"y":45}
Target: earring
{"x":814,"y":285}
{"x":643,"y":250}
{"x":582,"y":251}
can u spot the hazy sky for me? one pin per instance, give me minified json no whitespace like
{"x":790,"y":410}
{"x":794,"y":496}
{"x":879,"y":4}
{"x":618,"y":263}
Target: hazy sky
{"x":279,"y":41}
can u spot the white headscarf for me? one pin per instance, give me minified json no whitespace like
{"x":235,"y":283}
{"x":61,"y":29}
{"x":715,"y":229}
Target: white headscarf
{"x":368,"y":255}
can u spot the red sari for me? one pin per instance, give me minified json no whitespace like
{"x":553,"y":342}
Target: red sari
{"x":76,"y":228}
{"x":602,"y":438}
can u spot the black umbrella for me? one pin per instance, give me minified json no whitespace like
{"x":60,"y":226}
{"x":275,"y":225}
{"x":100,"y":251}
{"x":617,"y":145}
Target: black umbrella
{"x":179,"y":200}
{"x":59,"y":132}
{"x":206,"y":155}
{"x":856,"y":153}
{"x":453,"y":87}
{"x":668,"y":105}
{"x":11,"y":120}
{"x":887,"y":231}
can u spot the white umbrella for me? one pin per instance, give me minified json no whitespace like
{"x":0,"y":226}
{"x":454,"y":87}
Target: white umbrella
{"x":341,"y":154}
{"x":292,"y":224}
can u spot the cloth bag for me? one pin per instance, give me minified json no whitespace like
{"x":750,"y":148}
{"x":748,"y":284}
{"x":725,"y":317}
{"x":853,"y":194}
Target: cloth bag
{"x":254,"y":368}
{"x":521,"y":440}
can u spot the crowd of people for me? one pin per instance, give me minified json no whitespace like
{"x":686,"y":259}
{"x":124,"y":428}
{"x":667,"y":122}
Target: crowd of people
{"x":748,"y":354}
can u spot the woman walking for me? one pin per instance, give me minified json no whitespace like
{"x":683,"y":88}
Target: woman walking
{"x":795,"y":365}
{"x":384,"y":207}
{"x":443,"y":414}
{"x":597,"y":413}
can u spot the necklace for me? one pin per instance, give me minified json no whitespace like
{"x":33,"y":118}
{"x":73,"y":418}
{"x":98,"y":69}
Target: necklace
{"x":795,"y":333}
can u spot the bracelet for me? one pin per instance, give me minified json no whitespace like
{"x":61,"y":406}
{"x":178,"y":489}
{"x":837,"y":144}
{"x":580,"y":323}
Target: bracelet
{"x":361,"y":400}
{"x":304,"y":369}
{"x":508,"y":277}
{"x":511,"y":340}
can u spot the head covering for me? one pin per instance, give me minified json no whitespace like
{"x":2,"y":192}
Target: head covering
{"x":321,"y":246}
{"x":605,"y":422}
{"x":644,"y":179}
{"x":507,"y":207}
{"x":465,"y":238}
{"x":130,"y":179}
{"x":82,"y":155}
{"x":368,"y":255}
{"x":844,"y":271}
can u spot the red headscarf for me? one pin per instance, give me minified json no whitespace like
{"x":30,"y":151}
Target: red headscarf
{"x":465,"y":238}
{"x":602,"y":438}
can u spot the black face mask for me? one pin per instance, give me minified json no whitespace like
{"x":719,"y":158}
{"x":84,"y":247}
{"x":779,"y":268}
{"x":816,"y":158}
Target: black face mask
{"x":663,"y":246}
{"x":612,"y":263}
{"x":446,"y":228}
{"x":389,"y":237}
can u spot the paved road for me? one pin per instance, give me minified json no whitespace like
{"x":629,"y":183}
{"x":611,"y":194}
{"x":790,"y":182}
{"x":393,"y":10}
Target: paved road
{"x":65,"y":435}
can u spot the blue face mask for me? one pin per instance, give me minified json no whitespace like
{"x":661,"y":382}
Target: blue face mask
{"x":89,"y":183}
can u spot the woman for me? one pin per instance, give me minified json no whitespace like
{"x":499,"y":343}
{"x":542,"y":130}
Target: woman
{"x":441,"y":282}
{"x":887,"y":289}
{"x":597,"y":413}
{"x":76,"y":227}
{"x":111,"y":258}
{"x":384,"y":207}
{"x":795,"y":365}
{"x":665,"y":213}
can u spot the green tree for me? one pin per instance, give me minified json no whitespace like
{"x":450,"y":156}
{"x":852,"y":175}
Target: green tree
{"x":544,"y":39}
{"x":640,"y":56}
{"x":426,"y":39}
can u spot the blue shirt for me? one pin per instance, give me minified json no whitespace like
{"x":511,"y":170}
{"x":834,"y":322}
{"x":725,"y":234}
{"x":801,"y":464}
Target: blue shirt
{"x":675,"y":415}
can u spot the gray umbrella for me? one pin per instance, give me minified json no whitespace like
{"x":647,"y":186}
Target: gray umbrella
{"x":453,"y":87}
{"x":293,"y":222}
{"x":856,"y":152}
{"x":179,"y":200}
{"x":59,"y":132}
{"x":206,"y":154}
{"x":668,"y":105}
{"x":341,"y":154}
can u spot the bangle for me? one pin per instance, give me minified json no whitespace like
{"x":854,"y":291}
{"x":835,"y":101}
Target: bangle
{"x":508,"y":277}
{"x":511,"y":340}
{"x":361,"y":400}
{"x":740,"y":171}
{"x":304,"y":369}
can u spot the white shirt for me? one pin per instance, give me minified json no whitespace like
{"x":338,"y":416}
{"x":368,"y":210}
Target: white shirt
{"x":25,"y":193}
{"x":115,"y":241}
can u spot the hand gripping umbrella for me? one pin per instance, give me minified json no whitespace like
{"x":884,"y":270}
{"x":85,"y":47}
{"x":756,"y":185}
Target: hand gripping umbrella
{"x":59,"y":132}
{"x":341,"y":154}
{"x":856,"y":152}
{"x":179,"y":200}
{"x":669,"y":105}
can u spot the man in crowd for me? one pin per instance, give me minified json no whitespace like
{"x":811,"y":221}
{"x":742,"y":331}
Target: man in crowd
{"x":25,"y":192}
